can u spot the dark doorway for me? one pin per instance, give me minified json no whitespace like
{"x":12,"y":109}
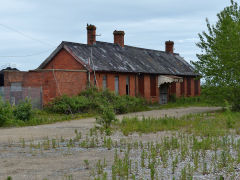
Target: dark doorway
{"x":163,"y":94}
{"x":127,"y":85}
{"x":1,"y":79}
{"x":141,"y":85}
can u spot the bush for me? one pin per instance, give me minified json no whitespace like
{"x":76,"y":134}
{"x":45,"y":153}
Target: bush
{"x":92,"y":100}
{"x":68,"y":105}
{"x":23,"y":111}
{"x":5,"y":112}
{"x":107,"y":117}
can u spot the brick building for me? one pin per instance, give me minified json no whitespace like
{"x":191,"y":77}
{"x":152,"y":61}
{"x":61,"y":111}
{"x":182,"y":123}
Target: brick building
{"x":127,"y":70}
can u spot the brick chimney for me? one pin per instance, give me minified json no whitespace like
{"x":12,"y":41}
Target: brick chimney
{"x":169,"y":46}
{"x":119,"y":38}
{"x":91,"y":34}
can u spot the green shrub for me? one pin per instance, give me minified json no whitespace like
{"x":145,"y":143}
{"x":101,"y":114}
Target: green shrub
{"x":106,"y":118}
{"x":68,"y":105}
{"x":6,"y":113}
{"x":93,"y":100}
{"x":23,"y":111}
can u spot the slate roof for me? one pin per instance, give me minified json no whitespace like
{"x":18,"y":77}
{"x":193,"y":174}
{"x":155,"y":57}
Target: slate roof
{"x":114,"y":58}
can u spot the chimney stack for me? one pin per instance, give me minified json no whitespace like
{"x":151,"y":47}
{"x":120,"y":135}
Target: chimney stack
{"x":91,"y":34}
{"x":119,"y":38}
{"x":169,"y":46}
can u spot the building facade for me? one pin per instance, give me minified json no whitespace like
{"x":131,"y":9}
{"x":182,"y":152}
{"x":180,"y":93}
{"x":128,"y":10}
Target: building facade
{"x":126,"y":70}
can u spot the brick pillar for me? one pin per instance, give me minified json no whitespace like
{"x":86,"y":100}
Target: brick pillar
{"x":147,"y":87}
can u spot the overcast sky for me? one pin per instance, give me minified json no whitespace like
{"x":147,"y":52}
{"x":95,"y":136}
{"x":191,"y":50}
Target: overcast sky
{"x":34,"y":28}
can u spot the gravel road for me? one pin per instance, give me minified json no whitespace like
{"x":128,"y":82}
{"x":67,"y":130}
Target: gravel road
{"x":25,"y":163}
{"x":66,"y":129}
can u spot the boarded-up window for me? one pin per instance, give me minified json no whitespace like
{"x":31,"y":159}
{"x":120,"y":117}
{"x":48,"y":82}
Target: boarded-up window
{"x":104,"y":82}
{"x":189,"y":86}
{"x":16,"y":86}
{"x":196,"y":86}
{"x":127,"y":85}
{"x":153,"y":85}
{"x":116,"y":84}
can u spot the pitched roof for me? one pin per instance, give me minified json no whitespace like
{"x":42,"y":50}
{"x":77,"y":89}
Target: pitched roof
{"x":114,"y":58}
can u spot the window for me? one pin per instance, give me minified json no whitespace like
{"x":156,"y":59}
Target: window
{"x":104,"y":82}
{"x":116,"y":84}
{"x":127,"y":85}
{"x":153,"y":85}
{"x":16,"y":86}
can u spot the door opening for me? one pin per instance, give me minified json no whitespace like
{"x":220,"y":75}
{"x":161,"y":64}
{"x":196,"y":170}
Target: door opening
{"x":163,"y":93}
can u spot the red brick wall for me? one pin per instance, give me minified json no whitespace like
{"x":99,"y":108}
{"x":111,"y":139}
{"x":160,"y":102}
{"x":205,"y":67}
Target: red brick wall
{"x":111,"y":79}
{"x":147,"y":87}
{"x":178,"y":89}
{"x":63,"y":60}
{"x":73,"y":82}
{"x":9,"y":77}
{"x":175,"y":88}
{"x":70,"y":83}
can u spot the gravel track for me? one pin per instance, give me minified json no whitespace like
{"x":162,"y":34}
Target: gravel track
{"x":66,"y":128}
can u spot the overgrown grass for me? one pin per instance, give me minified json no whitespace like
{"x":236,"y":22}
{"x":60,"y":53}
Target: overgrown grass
{"x":199,"y":101}
{"x":199,"y":124}
{"x":43,"y":117}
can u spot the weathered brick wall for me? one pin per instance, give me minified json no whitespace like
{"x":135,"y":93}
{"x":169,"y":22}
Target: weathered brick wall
{"x":63,"y":60}
{"x":71,"y":78}
{"x":65,"y":82}
{"x":111,"y":84}
{"x":175,"y":88}
{"x":147,"y":91}
{"x":13,"y":76}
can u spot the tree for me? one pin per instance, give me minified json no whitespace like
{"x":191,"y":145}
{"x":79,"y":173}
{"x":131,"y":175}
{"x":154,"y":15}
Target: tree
{"x":219,"y":60}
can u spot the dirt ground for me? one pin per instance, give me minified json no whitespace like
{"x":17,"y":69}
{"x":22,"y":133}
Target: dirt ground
{"x":24,"y":164}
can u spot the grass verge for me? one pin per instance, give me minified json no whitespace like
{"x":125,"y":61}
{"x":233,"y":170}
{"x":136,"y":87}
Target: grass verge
{"x":218,"y":123}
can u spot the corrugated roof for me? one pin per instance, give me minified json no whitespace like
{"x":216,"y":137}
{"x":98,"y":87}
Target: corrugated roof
{"x":114,"y":58}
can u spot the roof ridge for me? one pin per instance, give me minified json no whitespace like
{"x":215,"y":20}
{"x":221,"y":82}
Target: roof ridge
{"x":118,"y":45}
{"x":137,"y":47}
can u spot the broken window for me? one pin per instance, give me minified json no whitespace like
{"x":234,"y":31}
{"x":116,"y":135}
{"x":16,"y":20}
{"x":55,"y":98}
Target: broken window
{"x":153,"y":85}
{"x":127,"y":85}
{"x":104,"y":82}
{"x":116,"y":84}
